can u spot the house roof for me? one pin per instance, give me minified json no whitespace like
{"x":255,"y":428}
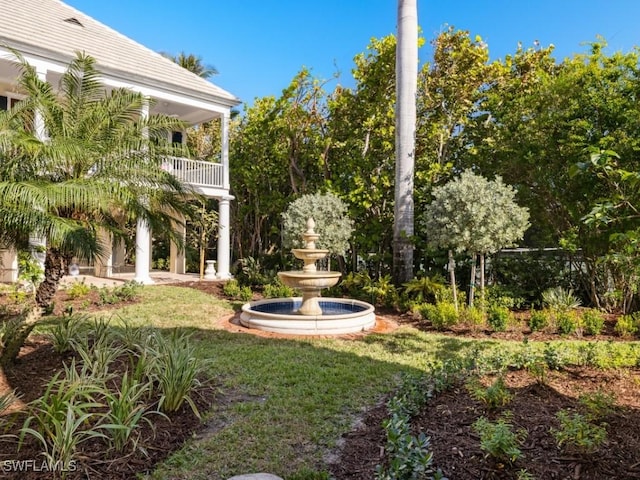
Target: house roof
{"x":54,"y":30}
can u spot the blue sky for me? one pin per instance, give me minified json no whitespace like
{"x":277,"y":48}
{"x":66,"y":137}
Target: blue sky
{"x":259,"y":45}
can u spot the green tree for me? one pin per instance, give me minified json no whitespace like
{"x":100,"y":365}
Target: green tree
{"x":331,"y":218}
{"x":278,"y":152}
{"x":99,"y":166}
{"x":542,"y":117}
{"x":361,"y":166}
{"x":474,"y":215}
{"x":193,"y":63}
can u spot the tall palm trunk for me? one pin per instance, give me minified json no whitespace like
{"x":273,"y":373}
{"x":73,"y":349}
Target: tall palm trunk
{"x":406,"y":86}
{"x":54,"y":268}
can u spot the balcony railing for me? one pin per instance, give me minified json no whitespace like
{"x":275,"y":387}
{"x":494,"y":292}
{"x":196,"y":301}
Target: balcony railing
{"x":195,"y":172}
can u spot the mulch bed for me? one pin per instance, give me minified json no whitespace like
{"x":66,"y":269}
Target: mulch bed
{"x":35,"y":367}
{"x":456,"y":449}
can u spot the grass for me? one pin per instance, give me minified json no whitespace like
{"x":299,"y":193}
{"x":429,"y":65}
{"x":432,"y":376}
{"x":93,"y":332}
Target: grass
{"x":284,"y":403}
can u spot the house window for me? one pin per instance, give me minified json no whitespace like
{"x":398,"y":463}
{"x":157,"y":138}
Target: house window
{"x":7,"y":101}
{"x":176,"y":137}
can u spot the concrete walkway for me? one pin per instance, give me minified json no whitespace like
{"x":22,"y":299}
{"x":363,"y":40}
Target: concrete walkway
{"x":159,"y":277}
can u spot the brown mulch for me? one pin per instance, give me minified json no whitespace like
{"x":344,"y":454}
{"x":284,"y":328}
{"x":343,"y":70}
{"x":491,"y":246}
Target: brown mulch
{"x":446,"y":420}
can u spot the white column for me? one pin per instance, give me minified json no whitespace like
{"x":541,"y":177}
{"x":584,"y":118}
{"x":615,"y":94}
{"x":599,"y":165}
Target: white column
{"x":224,"y":153}
{"x":143,"y":253}
{"x":224,"y":238}
{"x":177,"y":258}
{"x":9,"y":265}
{"x":143,"y":233}
{"x":38,"y":244}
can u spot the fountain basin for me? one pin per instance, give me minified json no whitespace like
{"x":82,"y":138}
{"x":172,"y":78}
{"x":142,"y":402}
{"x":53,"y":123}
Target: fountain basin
{"x":278,"y":315}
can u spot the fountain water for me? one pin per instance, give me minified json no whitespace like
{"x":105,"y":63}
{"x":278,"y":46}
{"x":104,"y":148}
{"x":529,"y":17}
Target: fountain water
{"x":310,"y":314}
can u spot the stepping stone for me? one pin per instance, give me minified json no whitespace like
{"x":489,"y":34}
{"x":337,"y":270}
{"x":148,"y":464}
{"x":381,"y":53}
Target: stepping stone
{"x":256,"y":476}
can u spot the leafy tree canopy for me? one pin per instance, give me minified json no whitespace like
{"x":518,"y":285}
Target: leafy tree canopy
{"x":332,"y":222}
{"x":475,"y":215}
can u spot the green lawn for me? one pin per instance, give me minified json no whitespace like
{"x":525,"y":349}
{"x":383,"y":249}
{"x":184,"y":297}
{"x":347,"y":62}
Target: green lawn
{"x":285,"y":403}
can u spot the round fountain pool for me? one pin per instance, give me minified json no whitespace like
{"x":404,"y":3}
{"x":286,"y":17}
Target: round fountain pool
{"x":279,"y":315}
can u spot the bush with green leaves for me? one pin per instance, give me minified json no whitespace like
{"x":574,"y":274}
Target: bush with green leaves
{"x":382,"y":292}
{"x":568,"y":322}
{"x":627,"y":325}
{"x":78,"y":289}
{"x":560,"y":299}
{"x":331,"y":219}
{"x":499,"y":318}
{"x":597,"y":405}
{"x":442,"y":315}
{"x":425,"y":288}
{"x":539,"y":320}
{"x":409,"y":456}
{"x":278,"y":290}
{"x":498,"y":440}
{"x":494,"y":396}
{"x":231,"y":288}
{"x":577,"y":434}
{"x":473,"y":316}
{"x":121,"y":293}
{"x":592,"y":321}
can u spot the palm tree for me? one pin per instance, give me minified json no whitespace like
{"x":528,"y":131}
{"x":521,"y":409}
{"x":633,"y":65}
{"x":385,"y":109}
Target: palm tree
{"x":99,"y":166}
{"x":193,"y":63}
{"x":406,"y":86}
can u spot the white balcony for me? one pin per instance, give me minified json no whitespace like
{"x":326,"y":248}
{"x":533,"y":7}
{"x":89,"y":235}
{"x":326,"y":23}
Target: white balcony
{"x":205,"y":176}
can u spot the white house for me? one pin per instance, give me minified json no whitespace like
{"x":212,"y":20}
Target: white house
{"x":48,"y":33}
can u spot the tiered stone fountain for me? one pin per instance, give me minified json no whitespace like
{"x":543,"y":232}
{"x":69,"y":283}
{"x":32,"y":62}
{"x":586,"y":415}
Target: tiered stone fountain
{"x":309,"y":314}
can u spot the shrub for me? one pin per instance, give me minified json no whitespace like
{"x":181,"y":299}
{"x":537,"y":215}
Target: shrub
{"x":577,"y":434}
{"x":231,"y":288}
{"x":539,"y":320}
{"x":560,"y":299}
{"x":246,"y":294}
{"x":597,"y":404}
{"x":441,"y":315}
{"x":425,"y":289}
{"x":473,"y":316}
{"x":278,"y":290}
{"x":593,"y":321}
{"x":498,"y":439}
{"x":126,"y":291}
{"x":498,"y":318}
{"x":78,"y":289}
{"x":567,"y":322}
{"x":494,"y":396}
{"x":627,"y":325}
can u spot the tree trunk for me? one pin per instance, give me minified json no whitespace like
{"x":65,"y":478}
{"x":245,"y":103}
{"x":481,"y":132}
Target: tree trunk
{"x":406,"y":87}
{"x":452,"y":279}
{"x":482,"y":278}
{"x":54,"y":268}
{"x":472,"y":283}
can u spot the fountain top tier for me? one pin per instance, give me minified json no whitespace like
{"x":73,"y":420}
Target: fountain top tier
{"x":309,"y":254}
